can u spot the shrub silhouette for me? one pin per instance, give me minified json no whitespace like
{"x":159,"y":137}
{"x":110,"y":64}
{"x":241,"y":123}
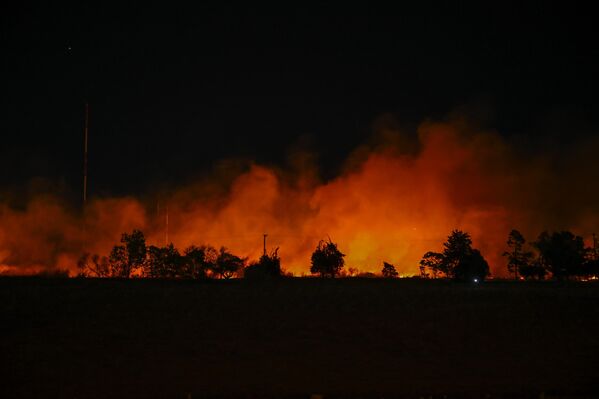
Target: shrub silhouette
{"x":163,"y":262}
{"x":327,"y":260}
{"x":389,"y":271}
{"x":269,"y":266}
{"x":458,"y":260}
{"x":199,"y":262}
{"x":93,"y":266}
{"x":227,"y":264}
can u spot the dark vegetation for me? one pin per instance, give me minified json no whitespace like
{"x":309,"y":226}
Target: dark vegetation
{"x":458,"y":261}
{"x":389,"y":271}
{"x":327,"y":260}
{"x":561,"y":255}
{"x":268,"y":267}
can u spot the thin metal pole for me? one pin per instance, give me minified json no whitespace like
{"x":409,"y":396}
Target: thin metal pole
{"x":86,"y":131}
{"x":166,"y":236}
{"x":265,"y":235}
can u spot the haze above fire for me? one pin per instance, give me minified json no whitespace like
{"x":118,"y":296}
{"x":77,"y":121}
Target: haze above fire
{"x":397,"y":197}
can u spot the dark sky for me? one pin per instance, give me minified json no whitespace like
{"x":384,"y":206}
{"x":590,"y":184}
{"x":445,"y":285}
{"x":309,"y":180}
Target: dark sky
{"x":172,"y":91}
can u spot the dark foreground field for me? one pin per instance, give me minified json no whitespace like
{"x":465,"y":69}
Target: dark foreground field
{"x":346,"y":338}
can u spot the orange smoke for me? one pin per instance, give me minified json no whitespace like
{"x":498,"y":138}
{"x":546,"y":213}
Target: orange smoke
{"x":394,"y":201}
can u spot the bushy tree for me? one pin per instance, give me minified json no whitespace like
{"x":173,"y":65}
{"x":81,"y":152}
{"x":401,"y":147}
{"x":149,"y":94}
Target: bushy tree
{"x":199,"y":262}
{"x":227,"y":264}
{"x":327,"y":260}
{"x":434,"y":262}
{"x":389,"y":271}
{"x":117,"y":262}
{"x":164,"y":262}
{"x":456,"y":249}
{"x":517,"y":257}
{"x":534,"y":270}
{"x":458,"y":260}
{"x":128,"y":257}
{"x":562,"y":253}
{"x":472,"y":267}
{"x":269,"y":266}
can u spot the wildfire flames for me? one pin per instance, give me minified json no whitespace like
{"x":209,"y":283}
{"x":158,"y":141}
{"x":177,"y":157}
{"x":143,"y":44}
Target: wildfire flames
{"x":395,"y":200}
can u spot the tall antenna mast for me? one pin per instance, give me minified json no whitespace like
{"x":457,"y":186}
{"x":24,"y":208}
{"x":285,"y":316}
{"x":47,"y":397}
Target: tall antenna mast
{"x":85,"y":131}
{"x":166,"y":223}
{"x":265,"y":235}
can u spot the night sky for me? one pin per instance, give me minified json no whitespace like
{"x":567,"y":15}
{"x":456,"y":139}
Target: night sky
{"x":174,"y":91}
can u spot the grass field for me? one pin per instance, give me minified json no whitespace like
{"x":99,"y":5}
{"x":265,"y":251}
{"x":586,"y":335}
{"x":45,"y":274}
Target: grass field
{"x":89,"y":338}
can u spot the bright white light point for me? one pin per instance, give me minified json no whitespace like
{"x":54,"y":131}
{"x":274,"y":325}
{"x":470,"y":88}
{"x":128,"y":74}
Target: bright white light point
{"x":476,"y":280}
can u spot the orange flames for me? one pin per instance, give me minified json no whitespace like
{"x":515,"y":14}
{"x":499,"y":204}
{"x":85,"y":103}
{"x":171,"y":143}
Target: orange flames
{"x":394,"y":201}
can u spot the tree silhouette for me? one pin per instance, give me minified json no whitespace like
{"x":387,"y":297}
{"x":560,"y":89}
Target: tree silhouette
{"x":458,"y":260}
{"x":198,"y":262}
{"x":117,"y":261}
{"x":227,"y":264}
{"x":433,"y":261}
{"x":269,"y":266}
{"x":534,"y":270}
{"x":128,"y":257}
{"x":472,"y":267}
{"x":389,"y":271}
{"x":327,"y":260}
{"x":562,"y":253}
{"x":164,"y":262}
{"x":455,"y":250}
{"x":591,"y":265}
{"x":517,"y":257}
{"x":93,"y":266}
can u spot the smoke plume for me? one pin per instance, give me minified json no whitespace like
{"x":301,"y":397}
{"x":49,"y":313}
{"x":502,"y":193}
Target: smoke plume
{"x":395,"y":198}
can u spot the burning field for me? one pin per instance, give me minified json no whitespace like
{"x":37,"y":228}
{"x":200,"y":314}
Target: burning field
{"x":395,"y":198}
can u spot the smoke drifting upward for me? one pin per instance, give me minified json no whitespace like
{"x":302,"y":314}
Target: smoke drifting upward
{"x":394,"y":200}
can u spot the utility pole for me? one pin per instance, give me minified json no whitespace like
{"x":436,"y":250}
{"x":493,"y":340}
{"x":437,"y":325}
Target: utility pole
{"x":166,"y":222}
{"x":265,"y":235}
{"x":595,"y":249}
{"x":85,"y":132}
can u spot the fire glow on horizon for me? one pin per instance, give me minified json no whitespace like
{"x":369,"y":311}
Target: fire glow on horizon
{"x":394,"y":201}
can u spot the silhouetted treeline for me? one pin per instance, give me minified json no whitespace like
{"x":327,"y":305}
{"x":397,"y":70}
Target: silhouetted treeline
{"x":132,"y":257}
{"x":560,"y":255}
